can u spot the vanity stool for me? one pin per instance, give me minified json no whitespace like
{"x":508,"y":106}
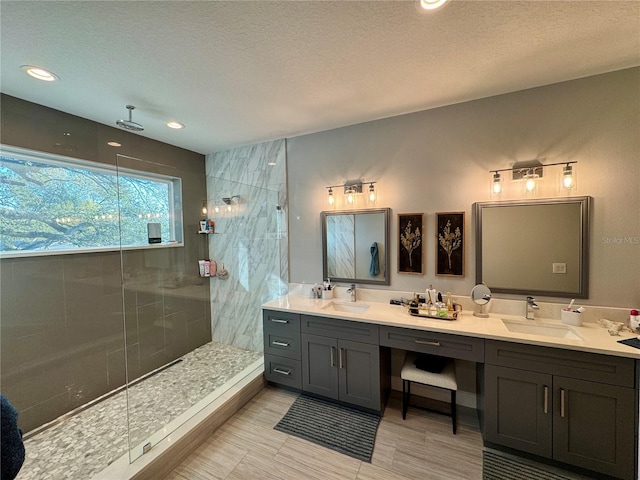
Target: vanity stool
{"x":445,"y":379}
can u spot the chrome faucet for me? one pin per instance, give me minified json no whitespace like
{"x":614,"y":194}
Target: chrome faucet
{"x":530,"y":306}
{"x":352,"y":293}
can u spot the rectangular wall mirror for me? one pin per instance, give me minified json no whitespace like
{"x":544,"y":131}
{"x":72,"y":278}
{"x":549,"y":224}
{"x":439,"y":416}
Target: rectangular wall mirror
{"x":355,"y":246}
{"x":534,"y":247}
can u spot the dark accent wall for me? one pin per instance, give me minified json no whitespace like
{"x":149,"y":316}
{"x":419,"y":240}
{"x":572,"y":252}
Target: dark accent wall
{"x":65,"y":319}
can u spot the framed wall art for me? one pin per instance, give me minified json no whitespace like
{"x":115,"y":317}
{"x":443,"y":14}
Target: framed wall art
{"x":450,"y":244}
{"x":410,"y":232}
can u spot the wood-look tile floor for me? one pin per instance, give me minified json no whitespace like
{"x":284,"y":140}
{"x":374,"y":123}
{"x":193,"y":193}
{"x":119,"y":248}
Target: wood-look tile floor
{"x":421,"y":447}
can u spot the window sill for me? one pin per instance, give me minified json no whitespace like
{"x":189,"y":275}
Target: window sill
{"x":47,"y":253}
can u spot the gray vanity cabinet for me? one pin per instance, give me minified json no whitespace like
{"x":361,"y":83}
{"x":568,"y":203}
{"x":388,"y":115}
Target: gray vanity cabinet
{"x":337,"y":366}
{"x":281,"y":332}
{"x":518,"y":409}
{"x":573,"y":407}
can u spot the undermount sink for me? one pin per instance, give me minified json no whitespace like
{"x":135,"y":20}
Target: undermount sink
{"x":346,"y":307}
{"x":547,"y":330}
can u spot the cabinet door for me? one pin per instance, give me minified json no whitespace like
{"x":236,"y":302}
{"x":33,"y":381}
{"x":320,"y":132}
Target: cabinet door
{"x":594,"y":426}
{"x":518,"y":409}
{"x":359,"y":374}
{"x":320,"y":365}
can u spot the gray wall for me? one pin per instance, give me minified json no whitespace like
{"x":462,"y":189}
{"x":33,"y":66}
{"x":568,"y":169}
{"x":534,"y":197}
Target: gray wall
{"x":439,"y":161}
{"x":61,"y":316}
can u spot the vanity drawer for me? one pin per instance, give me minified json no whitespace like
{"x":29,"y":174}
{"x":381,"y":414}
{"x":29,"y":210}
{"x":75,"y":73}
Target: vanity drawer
{"x":594,"y":367}
{"x":281,"y":320}
{"x":444,"y":344}
{"x":343,"y":329}
{"x":282,"y":342}
{"x":283,"y":371}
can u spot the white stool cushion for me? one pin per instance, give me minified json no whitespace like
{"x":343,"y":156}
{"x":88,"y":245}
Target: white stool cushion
{"x":445,"y":379}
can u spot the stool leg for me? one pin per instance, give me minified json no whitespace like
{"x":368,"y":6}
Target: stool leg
{"x":404,"y":399}
{"x":453,"y":411}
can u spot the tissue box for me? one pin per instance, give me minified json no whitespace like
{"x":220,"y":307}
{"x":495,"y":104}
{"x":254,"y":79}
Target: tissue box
{"x":571,"y":318}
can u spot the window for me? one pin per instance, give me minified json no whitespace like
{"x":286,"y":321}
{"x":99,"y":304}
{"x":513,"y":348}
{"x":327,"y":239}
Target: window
{"x":56,"y":204}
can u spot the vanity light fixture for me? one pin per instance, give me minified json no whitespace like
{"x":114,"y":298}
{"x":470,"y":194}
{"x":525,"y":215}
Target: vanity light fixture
{"x":568,"y":177}
{"x":351,"y":191}
{"x":332,"y":199}
{"x":530,"y":172}
{"x":372,"y":194}
{"x":531,"y":182}
{"x":496,"y":184}
{"x":40,"y":73}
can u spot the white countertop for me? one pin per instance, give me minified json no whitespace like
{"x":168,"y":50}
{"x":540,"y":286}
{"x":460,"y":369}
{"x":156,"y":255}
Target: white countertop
{"x":593,"y":338}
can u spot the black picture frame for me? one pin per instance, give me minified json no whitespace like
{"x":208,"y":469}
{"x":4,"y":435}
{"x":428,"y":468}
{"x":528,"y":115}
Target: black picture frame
{"x":410,"y":243}
{"x":450,"y":244}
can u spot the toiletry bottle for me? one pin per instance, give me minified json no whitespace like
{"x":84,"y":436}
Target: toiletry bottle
{"x":432,"y":294}
{"x":634,"y":319}
{"x":449,"y":302}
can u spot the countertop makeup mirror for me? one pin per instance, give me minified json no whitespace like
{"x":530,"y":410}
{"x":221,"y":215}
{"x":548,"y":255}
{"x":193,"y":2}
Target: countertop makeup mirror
{"x":355,"y":246}
{"x":481,"y":295}
{"x":534,"y":247}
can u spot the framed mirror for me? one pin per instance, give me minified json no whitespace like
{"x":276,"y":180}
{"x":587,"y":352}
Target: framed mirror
{"x":355,"y":246}
{"x":534,"y":247}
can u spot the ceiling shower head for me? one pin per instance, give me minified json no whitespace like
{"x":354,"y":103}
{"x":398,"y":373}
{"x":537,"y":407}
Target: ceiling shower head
{"x":130,"y":124}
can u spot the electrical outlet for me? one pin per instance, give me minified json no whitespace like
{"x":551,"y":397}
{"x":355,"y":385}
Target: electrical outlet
{"x":559,"y":268}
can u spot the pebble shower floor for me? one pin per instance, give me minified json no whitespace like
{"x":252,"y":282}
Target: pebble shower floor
{"x":86,"y":443}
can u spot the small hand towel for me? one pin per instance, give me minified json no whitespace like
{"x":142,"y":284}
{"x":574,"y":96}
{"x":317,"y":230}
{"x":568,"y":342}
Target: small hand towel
{"x":374,"y":268}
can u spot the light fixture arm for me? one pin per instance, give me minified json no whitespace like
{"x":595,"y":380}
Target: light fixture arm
{"x":516,"y":169}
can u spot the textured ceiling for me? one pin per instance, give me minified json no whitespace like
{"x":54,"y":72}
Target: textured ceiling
{"x":240,"y":72}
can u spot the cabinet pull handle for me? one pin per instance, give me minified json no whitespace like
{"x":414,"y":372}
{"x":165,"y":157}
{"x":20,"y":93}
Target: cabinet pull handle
{"x":341,"y":358}
{"x":277,"y":320}
{"x":426,"y":342}
{"x":562,"y":408}
{"x":280,"y":344}
{"x":333,"y":356}
{"x":282,"y":372}
{"x":546,"y":399}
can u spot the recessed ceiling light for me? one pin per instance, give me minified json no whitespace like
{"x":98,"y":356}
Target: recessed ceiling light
{"x":40,"y":73}
{"x":175,"y":125}
{"x":114,"y":144}
{"x":431,"y":4}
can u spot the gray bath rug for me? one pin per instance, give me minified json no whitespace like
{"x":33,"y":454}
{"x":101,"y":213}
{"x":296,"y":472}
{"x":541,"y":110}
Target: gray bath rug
{"x":343,"y":429}
{"x":496,"y":466}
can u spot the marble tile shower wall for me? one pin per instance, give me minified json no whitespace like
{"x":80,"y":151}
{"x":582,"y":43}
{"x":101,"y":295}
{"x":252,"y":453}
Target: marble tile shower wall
{"x":251,"y":241}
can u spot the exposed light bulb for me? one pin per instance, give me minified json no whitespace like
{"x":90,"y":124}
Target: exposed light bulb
{"x":350,"y":198}
{"x":204,"y":209}
{"x":496,"y":185}
{"x":331,"y":197}
{"x":216,"y":209}
{"x":372,"y":193}
{"x":228,"y":208}
{"x":567,"y":177}
{"x":530,"y":184}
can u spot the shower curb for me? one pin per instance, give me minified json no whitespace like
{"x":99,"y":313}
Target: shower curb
{"x":164,"y":457}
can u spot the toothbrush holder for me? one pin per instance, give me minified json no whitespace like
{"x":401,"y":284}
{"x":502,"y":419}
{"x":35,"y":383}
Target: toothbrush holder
{"x":571,"y":318}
